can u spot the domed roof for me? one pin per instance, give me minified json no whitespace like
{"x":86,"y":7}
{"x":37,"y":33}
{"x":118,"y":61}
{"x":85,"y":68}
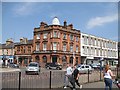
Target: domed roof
{"x":55,"y":21}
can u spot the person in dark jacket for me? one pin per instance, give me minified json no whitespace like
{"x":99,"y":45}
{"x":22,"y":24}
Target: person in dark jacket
{"x":75,"y":75}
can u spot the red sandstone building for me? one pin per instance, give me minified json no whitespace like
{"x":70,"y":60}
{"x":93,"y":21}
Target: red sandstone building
{"x":23,"y":51}
{"x":56,"y":43}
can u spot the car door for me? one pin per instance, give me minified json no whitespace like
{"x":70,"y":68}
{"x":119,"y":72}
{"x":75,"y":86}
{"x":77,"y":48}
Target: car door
{"x":51,"y":66}
{"x":86,"y":68}
{"x":54,"y":66}
{"x":82,"y":69}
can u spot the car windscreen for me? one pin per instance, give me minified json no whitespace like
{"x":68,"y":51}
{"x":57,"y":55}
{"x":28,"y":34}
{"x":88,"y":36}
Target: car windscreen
{"x":33,"y":65}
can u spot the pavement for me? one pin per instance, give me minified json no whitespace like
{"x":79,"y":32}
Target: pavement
{"x":94,"y":86}
{"x":9,"y":69}
{"x":99,"y":84}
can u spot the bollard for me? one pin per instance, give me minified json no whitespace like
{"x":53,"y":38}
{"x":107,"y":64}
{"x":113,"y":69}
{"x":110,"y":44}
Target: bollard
{"x":88,"y":75}
{"x":50,"y":80}
{"x":100,"y":74}
{"x":19,"y":80}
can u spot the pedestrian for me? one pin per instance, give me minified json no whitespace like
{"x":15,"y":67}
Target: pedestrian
{"x":68,"y":75}
{"x":76,"y":75}
{"x":108,"y":76}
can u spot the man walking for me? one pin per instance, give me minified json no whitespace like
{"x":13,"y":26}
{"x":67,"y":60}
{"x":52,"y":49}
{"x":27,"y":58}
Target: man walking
{"x":68,"y":75}
{"x":75,"y":75}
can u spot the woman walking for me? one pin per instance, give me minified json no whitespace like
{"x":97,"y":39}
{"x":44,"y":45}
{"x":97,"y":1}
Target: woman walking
{"x":108,"y":75}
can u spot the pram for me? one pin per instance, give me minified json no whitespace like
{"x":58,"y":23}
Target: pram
{"x":117,"y":83}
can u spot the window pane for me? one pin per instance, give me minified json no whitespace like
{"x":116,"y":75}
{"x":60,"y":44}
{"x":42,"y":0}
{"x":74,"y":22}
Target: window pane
{"x":38,"y":36}
{"x":77,"y":39}
{"x":64,"y":36}
{"x":55,"y":33}
{"x":37,"y":47}
{"x":64,"y":47}
{"x":71,"y":37}
{"x":71,"y":48}
{"x":45,"y":35}
{"x":76,"y":48}
{"x":54,"y":46}
{"x":44,"y":46}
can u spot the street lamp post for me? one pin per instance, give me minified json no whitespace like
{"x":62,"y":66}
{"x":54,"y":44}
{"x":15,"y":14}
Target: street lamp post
{"x":101,"y":68}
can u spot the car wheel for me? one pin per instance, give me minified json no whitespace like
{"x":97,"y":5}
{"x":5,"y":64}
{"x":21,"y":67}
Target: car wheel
{"x":38,"y":73}
{"x":58,"y":68}
{"x":26,"y":72}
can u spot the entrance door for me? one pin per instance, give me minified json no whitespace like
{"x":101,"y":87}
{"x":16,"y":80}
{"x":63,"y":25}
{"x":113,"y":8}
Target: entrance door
{"x":54,"y":59}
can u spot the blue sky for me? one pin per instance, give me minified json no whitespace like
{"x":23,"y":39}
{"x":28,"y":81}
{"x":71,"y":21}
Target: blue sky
{"x":97,"y":18}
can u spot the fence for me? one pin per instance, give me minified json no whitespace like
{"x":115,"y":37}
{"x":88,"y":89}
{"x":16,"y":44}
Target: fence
{"x":48,"y":79}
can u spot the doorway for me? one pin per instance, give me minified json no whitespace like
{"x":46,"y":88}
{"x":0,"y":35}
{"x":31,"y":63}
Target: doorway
{"x":54,"y":59}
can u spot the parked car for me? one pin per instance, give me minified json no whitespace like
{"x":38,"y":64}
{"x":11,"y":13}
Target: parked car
{"x":96,"y":66}
{"x":13,"y":65}
{"x":79,"y":65}
{"x":33,"y":67}
{"x":53,"y":66}
{"x":84,"y":68}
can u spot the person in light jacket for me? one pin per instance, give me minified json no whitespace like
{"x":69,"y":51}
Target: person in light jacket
{"x":108,"y":75}
{"x":68,"y":75}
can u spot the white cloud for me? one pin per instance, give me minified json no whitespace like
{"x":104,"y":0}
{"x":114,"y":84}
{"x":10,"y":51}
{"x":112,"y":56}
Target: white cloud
{"x":24,"y":8}
{"x":99,"y":21}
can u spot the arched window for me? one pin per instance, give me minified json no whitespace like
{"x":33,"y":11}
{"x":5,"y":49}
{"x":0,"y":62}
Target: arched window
{"x":37,"y":58}
{"x":44,"y":59}
{"x":71,"y":60}
{"x":64,"y":59}
{"x":20,"y":60}
{"x":76,"y":60}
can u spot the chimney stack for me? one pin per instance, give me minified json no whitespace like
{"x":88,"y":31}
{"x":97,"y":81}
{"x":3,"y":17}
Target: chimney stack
{"x":65,"y":23}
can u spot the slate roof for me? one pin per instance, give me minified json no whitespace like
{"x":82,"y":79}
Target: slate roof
{"x":9,"y":46}
{"x":28,"y":42}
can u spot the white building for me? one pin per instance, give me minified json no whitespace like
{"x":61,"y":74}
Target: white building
{"x":94,"y":49}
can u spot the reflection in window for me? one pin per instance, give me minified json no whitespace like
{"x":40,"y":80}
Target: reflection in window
{"x":44,"y":46}
{"x":64,"y":36}
{"x":37,"y":47}
{"x":45,"y":36}
{"x":77,"y":39}
{"x":38,"y":36}
{"x":71,"y":37}
{"x":76,"y":48}
{"x":71,"y":48}
{"x":64,"y":47}
{"x":54,"y":46}
{"x":55,"y":34}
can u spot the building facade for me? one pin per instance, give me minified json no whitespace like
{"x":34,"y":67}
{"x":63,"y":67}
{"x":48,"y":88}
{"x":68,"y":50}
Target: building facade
{"x":56,"y":43}
{"x":23,"y":51}
{"x":95,"y":49}
{"x":7,"y":52}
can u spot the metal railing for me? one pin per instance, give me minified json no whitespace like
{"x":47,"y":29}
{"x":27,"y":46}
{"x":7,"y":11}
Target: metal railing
{"x":48,"y":79}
